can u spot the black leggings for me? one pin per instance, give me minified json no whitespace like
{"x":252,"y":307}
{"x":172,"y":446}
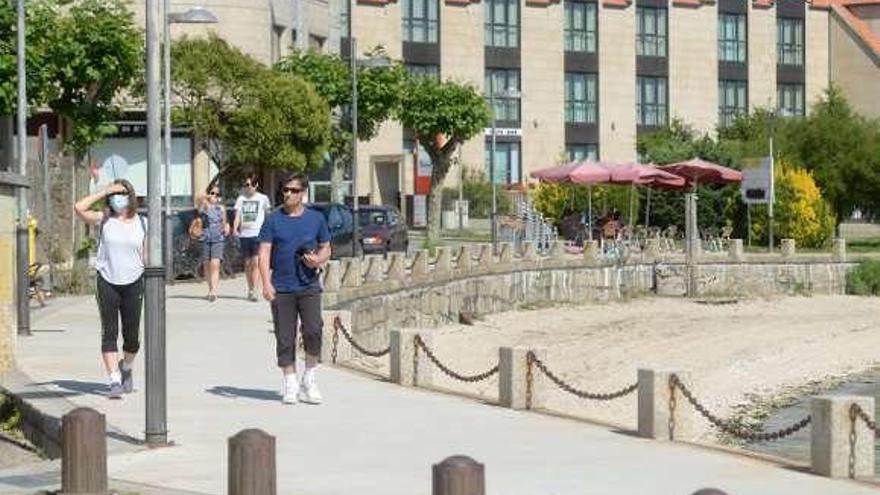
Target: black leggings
{"x":125,"y":301}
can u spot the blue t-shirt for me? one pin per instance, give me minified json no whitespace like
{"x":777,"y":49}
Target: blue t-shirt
{"x":289,"y":236}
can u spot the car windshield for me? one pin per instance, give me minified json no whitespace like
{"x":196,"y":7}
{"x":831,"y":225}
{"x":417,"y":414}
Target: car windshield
{"x":367,"y":217}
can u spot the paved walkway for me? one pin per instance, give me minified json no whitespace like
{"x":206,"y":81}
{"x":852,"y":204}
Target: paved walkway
{"x":369,"y":437}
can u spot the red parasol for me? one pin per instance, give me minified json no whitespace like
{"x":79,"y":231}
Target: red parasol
{"x":699,"y":171}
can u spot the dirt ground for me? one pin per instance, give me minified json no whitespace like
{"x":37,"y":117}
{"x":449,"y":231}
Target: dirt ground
{"x":731,"y":348}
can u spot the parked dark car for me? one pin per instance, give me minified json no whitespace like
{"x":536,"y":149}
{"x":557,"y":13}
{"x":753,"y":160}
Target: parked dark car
{"x":341,"y":224}
{"x":382,"y":229}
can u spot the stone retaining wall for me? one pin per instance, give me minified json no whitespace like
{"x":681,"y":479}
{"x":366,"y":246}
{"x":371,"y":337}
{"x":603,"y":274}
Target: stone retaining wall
{"x":425,"y":291}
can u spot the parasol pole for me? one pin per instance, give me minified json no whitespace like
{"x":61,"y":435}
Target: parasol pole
{"x":590,"y":210}
{"x":648,"y":209}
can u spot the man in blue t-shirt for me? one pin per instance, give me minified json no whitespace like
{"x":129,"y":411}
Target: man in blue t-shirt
{"x":294,"y":244}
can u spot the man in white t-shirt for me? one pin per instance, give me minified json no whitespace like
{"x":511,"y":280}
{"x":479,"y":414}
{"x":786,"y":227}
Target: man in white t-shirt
{"x":251,"y":208}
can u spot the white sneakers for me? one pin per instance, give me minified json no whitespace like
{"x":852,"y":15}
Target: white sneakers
{"x":289,"y":389}
{"x":305,"y":390}
{"x":308,"y":388}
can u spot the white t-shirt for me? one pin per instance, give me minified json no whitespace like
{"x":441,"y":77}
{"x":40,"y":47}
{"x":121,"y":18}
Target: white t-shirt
{"x":253,"y":211}
{"x":120,"y":258}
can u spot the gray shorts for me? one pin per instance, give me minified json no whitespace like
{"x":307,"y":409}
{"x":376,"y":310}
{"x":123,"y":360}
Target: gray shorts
{"x":212,"y":250}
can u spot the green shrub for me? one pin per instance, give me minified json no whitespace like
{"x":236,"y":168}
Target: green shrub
{"x":477,"y":190}
{"x":864,"y":279}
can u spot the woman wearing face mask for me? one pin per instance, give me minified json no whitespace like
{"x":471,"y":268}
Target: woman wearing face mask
{"x":216,"y":229}
{"x":120,"y":265}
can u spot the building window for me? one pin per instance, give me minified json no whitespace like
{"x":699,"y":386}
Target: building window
{"x":732,"y":101}
{"x":430,"y":71}
{"x":506,"y":162}
{"x":732,"y":37}
{"x":580,"y":98}
{"x":651,"y":35}
{"x":502,"y":22}
{"x":790,"y":100}
{"x":580,"y":27}
{"x":578,"y":152}
{"x":345,"y":19}
{"x":420,"y":20}
{"x":651,"y":101}
{"x":790,"y":41}
{"x":499,"y":84}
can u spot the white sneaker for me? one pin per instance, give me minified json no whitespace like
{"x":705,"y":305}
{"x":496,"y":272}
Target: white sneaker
{"x":308,"y":388}
{"x":288,"y":389}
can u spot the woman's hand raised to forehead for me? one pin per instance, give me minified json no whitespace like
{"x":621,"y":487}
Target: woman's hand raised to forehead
{"x":115,"y":189}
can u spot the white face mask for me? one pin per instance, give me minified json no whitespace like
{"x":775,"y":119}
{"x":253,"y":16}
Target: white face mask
{"x":118,"y":203}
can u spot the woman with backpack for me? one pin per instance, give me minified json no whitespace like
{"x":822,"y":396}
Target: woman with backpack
{"x":122,"y":234}
{"x":215,"y":229}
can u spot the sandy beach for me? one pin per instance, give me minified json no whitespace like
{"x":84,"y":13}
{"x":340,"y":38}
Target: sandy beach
{"x":732,"y":350}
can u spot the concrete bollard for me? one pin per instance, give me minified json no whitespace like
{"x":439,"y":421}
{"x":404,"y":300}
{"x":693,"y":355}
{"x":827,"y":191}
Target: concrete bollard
{"x":512,"y":378}
{"x":375,"y":268}
{"x":787,"y":248}
{"x":252,"y":463}
{"x":83,"y":452}
{"x":654,"y":395}
{"x":464,"y":262}
{"x":442,"y":265}
{"x":591,"y":252}
{"x":505,"y":253}
{"x":652,"y":249}
{"x":709,"y":491}
{"x":396,"y":268}
{"x":351,"y":275}
{"x":831,"y":428}
{"x":458,"y":475}
{"x":332,"y":277}
{"x":419,"y":268}
{"x":838,"y":250}
{"x":485,"y":256}
{"x":403,"y":369}
{"x":343,"y":348}
{"x":530,"y":251}
{"x":735,"y":250}
{"x":555,"y":250}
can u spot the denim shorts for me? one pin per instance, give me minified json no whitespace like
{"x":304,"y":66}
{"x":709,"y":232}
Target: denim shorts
{"x":212,"y":250}
{"x":249,"y":246}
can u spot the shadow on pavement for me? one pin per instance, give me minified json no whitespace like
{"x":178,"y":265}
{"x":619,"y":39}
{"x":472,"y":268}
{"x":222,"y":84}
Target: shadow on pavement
{"x":245,"y":393}
{"x":78,"y":387}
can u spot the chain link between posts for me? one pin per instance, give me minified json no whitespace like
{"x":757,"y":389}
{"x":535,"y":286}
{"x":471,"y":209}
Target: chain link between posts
{"x":420,"y":343}
{"x":725,"y":426}
{"x":339,"y":327}
{"x":536,"y":361}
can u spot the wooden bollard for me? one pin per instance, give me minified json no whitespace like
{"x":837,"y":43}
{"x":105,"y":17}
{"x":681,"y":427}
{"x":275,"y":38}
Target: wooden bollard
{"x":252,"y":463}
{"x":83,"y":452}
{"x":458,"y":475}
{"x":709,"y":491}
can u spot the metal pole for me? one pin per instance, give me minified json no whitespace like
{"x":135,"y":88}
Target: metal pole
{"x":356,"y":238}
{"x":460,"y":190}
{"x":169,"y":240}
{"x":21,"y":233}
{"x":154,"y":276}
{"x":749,"y":224}
{"x":772,"y":193}
{"x":44,"y":163}
{"x":690,"y":242}
{"x":494,"y":217}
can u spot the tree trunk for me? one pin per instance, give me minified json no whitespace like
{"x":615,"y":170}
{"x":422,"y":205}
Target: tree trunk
{"x":435,"y":198}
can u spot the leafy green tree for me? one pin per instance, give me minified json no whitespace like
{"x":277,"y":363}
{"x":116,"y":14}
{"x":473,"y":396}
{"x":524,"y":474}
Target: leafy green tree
{"x":379,"y":90}
{"x":209,"y":79}
{"x":41,"y":19}
{"x":443,"y":115}
{"x":281,"y":124}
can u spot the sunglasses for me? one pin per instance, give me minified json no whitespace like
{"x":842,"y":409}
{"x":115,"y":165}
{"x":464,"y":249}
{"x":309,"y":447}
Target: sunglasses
{"x":292,"y":190}
{"x":213,"y":193}
{"x":248,"y":184}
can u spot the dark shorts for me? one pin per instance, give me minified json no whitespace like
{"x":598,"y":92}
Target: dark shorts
{"x":293,"y":311}
{"x":249,"y":246}
{"x":212,"y":250}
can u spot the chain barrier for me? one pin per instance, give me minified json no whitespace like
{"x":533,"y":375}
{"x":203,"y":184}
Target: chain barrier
{"x":856,"y":411}
{"x":725,"y":426}
{"x":337,"y":325}
{"x":670,"y":423}
{"x":580,"y":393}
{"x":448,"y":371}
{"x":334,"y":350}
{"x":530,"y":356}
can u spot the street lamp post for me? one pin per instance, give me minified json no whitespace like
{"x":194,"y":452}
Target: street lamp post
{"x":21,"y":233}
{"x":507,"y":93}
{"x":373,"y":62}
{"x":195,"y":15}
